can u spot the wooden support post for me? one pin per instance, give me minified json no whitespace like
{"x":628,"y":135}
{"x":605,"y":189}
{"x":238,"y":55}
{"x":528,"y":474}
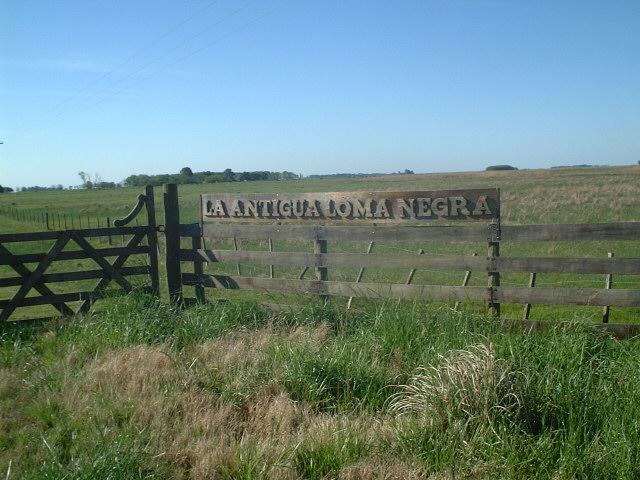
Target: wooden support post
{"x":412,"y":273}
{"x":236,"y":248}
{"x":320,"y":246}
{"x":494,"y":277}
{"x":108,"y":226}
{"x":47,"y":219}
{"x":303,"y":273}
{"x":72,"y":225}
{"x":465,"y":282}
{"x":608,"y":283}
{"x":360,"y":274}
{"x":271,"y":272}
{"x":172,"y":240}
{"x":527,"y":306}
{"x":152,"y":240}
{"x":196,"y":244}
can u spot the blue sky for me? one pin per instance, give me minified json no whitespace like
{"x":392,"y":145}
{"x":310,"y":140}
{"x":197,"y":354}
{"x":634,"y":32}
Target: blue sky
{"x":314,"y":87}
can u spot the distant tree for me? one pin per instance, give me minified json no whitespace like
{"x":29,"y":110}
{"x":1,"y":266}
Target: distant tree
{"x":86,"y":179}
{"x":408,"y":172}
{"x":500,"y":167}
{"x":228,"y":175}
{"x":186,"y":171}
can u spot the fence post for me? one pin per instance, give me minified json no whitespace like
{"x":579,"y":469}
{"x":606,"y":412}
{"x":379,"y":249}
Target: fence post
{"x":172,"y":240}
{"x":196,"y":244}
{"x":319,"y":247}
{"x":152,"y":239}
{"x":527,"y":306}
{"x":607,"y":284}
{"x":465,"y":283}
{"x":494,"y":277}
{"x":46,"y":216}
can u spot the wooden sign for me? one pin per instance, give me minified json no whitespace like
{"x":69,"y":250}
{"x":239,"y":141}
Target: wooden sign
{"x":352,"y":207}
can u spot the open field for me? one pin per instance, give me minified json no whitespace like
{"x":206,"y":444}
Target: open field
{"x":387,"y":390}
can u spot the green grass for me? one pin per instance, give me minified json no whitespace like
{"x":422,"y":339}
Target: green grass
{"x":233,"y":391}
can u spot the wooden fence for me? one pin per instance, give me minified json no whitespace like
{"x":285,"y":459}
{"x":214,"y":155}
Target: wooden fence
{"x":115,"y":271}
{"x":492,"y":265}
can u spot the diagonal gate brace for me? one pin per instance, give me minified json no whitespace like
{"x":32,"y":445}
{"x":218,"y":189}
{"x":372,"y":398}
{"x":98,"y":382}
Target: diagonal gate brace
{"x":35,"y":276}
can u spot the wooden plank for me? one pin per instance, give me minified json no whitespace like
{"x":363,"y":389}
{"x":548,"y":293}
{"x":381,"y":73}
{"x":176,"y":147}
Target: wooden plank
{"x":10,"y":259}
{"x":84,"y":232}
{"x":40,"y":287}
{"x":74,"y":276}
{"x":608,"y":284}
{"x":374,"y":233}
{"x":34,"y":277}
{"x":566,"y":232}
{"x":569,"y":296}
{"x":344,"y":289}
{"x":352,"y":207}
{"x":346,"y":260}
{"x":152,"y":240}
{"x":172,"y":242}
{"x":56,"y":298}
{"x":105,"y":265}
{"x":620,"y":265}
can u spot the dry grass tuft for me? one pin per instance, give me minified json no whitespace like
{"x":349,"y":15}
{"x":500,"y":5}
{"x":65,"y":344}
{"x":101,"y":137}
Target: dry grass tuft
{"x":381,"y":468}
{"x":274,"y":414}
{"x":239,"y":350}
{"x":471,"y":382}
{"x":132,"y":373}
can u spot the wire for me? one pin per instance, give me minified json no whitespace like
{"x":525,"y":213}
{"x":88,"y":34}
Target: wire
{"x":167,"y":53}
{"x":192,"y":53}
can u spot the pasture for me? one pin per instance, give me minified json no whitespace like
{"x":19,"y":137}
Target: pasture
{"x":387,"y":390}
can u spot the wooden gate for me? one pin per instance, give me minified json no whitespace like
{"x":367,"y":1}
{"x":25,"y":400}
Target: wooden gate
{"x":141,"y":240}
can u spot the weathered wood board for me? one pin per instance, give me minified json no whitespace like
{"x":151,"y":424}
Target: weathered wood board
{"x":352,"y":207}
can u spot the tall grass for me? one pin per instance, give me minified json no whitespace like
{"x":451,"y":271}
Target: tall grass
{"x":139,"y":390}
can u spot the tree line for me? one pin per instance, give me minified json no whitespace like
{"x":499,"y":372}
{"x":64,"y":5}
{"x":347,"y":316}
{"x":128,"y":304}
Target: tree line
{"x":187,"y":176}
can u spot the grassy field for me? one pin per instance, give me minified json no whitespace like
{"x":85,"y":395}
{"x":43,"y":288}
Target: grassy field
{"x":229,"y":390}
{"x":529,"y":196}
